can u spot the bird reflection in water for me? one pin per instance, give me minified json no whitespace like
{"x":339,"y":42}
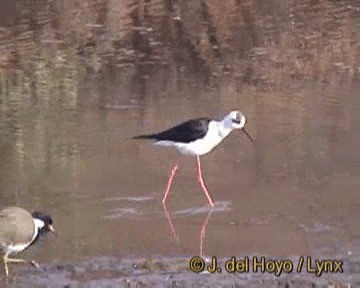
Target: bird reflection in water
{"x":202,"y":230}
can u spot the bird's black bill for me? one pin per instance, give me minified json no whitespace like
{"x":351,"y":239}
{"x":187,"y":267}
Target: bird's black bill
{"x":247,"y":134}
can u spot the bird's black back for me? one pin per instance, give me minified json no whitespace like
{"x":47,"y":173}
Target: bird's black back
{"x":186,"y":132}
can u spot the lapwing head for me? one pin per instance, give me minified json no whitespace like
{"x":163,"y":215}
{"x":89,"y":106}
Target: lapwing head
{"x":237,"y":120}
{"x":43,"y":222}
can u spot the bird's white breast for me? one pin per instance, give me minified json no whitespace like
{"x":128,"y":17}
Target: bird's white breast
{"x":15,"y":248}
{"x":215,"y":134}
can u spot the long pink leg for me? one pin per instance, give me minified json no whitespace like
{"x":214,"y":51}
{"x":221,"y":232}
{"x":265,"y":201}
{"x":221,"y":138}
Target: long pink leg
{"x":201,"y":181}
{"x":169,"y":184}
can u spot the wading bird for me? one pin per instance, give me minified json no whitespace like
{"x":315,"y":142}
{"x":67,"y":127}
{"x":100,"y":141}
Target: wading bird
{"x":18,"y":230}
{"x":197,"y":137}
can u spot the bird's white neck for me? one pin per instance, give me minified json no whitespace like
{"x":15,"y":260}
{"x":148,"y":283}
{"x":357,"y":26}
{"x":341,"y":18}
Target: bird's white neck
{"x":223,"y":129}
{"x":39,"y":224}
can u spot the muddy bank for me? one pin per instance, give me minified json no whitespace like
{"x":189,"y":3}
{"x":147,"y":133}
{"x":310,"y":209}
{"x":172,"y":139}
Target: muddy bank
{"x":166,"y":272}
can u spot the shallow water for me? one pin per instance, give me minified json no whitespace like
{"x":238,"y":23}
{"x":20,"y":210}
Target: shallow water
{"x":293,"y":192}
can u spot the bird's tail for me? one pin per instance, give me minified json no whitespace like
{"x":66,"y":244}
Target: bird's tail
{"x":144,"y":137}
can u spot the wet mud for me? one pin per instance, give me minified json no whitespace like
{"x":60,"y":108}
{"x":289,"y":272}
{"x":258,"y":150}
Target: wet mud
{"x":175,"y":272}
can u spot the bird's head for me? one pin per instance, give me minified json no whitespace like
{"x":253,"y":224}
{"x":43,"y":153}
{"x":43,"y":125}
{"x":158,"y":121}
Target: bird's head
{"x":236,"y":120}
{"x":43,"y":222}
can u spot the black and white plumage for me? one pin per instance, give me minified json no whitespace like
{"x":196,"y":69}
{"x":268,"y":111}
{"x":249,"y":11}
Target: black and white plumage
{"x":198,"y":137}
{"x":186,"y":132}
{"x":18,"y":230}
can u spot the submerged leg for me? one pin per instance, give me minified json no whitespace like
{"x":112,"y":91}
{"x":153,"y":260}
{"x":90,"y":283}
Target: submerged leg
{"x":172,"y":229}
{"x":169,"y":184}
{"x":201,"y":181}
{"x":202,"y":232}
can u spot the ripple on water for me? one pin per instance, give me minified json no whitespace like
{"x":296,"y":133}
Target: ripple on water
{"x":123,"y":212}
{"x":131,"y":212}
{"x":129,"y":199}
{"x":219,"y":207}
{"x":315,"y":227}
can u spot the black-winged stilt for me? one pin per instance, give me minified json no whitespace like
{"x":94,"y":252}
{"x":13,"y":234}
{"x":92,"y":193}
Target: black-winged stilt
{"x":18,"y":230}
{"x":197,"y":137}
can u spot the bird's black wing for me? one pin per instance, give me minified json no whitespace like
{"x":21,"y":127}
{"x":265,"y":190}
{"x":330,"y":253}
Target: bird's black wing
{"x":184,"y":133}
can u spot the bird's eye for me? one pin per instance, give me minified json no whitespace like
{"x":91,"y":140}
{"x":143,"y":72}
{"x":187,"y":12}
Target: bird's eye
{"x":236,"y":120}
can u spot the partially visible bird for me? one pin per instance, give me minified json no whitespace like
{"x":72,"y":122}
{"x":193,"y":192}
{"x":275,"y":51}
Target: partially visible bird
{"x":197,"y":137}
{"x":18,"y":230}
